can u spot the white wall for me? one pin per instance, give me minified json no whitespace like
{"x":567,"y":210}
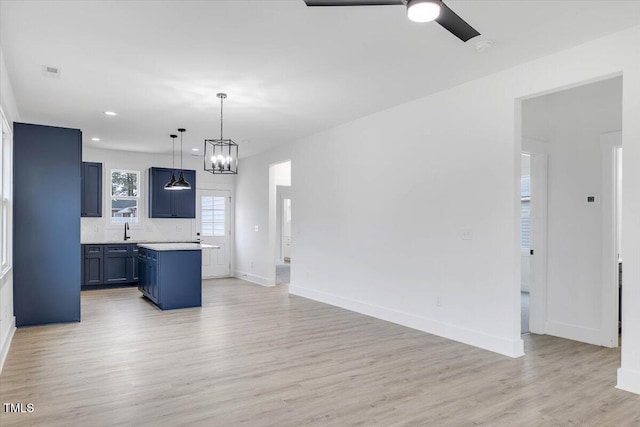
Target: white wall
{"x":100,"y":230}
{"x":282,"y":173}
{"x":7,"y":319}
{"x":573,"y":122}
{"x":384,"y":237}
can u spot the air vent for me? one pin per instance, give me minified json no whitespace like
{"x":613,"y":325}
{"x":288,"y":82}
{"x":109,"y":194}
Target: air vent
{"x":53,"y":72}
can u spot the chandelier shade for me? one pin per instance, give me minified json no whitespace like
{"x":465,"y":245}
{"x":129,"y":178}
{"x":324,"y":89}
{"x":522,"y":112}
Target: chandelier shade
{"x":221,"y":155}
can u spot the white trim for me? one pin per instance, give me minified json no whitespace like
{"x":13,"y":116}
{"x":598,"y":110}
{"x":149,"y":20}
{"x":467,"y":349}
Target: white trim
{"x":609,"y":143}
{"x":467,"y":336}
{"x":6,"y":342}
{"x":628,"y":380}
{"x":574,"y":332}
{"x":258,"y":280}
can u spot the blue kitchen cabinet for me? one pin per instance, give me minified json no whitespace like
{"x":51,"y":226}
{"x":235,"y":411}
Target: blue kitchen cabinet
{"x":171,"y":279}
{"x":110,"y":264}
{"x":116,"y":260}
{"x":148,"y":273}
{"x":47,"y":257}
{"x":92,"y":265}
{"x":171,"y":203}
{"x":91,"y":194}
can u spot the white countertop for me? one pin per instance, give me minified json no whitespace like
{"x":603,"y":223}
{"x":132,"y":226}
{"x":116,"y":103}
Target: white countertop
{"x":111,"y":242}
{"x":176,"y":246}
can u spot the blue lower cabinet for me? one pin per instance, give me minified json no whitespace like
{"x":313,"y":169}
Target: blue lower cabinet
{"x":171,"y":279}
{"x":116,"y":260}
{"x":111,"y":264}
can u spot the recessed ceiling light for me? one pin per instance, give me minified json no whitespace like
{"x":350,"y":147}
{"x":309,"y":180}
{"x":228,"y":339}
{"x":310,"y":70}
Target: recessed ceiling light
{"x":111,"y":113}
{"x":195,"y":149}
{"x":95,"y":139}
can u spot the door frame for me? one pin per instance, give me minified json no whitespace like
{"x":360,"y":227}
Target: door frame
{"x":610,"y":143}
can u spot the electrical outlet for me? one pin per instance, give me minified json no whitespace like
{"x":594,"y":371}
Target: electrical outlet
{"x":96,"y":228}
{"x":178,"y":228}
{"x":467,"y":234}
{"x":438,"y":301}
{"x":255,"y":228}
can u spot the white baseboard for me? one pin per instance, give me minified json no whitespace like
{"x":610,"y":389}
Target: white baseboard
{"x":574,"y":332}
{"x":258,"y":280}
{"x":6,"y":342}
{"x":628,"y":380}
{"x":511,"y":348}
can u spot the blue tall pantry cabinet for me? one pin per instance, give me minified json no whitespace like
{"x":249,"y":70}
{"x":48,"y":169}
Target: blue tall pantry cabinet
{"x":46,"y":218}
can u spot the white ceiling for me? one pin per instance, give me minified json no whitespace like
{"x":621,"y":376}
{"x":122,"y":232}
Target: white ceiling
{"x":289,"y":70}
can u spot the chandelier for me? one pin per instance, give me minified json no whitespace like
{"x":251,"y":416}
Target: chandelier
{"x":221,"y":155}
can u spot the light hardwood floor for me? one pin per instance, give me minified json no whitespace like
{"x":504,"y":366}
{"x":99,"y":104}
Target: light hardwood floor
{"x":256,"y":356}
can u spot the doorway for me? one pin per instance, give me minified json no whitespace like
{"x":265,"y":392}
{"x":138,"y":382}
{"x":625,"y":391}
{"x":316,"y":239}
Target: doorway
{"x":281,"y":239}
{"x":573,"y":268}
{"x":214,"y":230}
{"x":283,"y":261}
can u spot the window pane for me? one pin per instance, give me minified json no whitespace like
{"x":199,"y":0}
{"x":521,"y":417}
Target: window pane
{"x":525,"y":224}
{"x":525,"y":186}
{"x":212,"y":216}
{"x":124,"y":183}
{"x":124,"y":210}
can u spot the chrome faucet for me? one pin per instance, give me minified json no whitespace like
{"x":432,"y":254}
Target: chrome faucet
{"x":126,"y":228}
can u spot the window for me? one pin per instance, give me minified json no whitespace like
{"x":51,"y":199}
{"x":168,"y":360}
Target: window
{"x":125,"y":196}
{"x":6,"y":184}
{"x":213,"y":216}
{"x":525,"y":212}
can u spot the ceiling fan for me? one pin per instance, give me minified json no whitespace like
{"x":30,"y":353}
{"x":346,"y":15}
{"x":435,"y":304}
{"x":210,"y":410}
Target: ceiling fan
{"x":418,"y":11}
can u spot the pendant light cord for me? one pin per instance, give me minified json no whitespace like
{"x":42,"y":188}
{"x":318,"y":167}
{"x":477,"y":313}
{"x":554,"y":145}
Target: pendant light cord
{"x":181,"y":150}
{"x":221,"y":107}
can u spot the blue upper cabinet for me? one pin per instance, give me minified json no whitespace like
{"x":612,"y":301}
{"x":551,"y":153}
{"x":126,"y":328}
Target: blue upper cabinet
{"x":91,"y":189}
{"x":184,"y":201}
{"x":171,"y":203}
{"x":160,"y":200}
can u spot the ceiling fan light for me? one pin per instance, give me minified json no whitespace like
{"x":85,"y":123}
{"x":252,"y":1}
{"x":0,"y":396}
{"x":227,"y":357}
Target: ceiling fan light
{"x":423,"y":10}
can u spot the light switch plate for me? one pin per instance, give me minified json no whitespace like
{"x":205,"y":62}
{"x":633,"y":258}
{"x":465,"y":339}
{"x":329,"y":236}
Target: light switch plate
{"x":256,"y":228}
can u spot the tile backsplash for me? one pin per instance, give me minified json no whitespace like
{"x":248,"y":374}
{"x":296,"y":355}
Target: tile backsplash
{"x":96,"y":230}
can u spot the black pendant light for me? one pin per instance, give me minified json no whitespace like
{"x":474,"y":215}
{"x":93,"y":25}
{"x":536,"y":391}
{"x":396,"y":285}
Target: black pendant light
{"x":169,"y":185}
{"x":181,"y":183}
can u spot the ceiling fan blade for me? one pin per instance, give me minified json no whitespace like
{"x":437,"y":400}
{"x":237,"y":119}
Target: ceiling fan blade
{"x":354,"y":2}
{"x":456,"y":25}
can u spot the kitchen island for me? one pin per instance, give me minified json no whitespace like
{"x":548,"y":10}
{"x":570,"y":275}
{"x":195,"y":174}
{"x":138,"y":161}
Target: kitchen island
{"x":170,"y":274}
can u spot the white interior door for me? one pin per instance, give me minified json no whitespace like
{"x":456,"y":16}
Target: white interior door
{"x":214,"y":228}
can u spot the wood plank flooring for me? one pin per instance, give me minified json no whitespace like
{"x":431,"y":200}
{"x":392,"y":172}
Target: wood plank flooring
{"x":256,"y":356}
